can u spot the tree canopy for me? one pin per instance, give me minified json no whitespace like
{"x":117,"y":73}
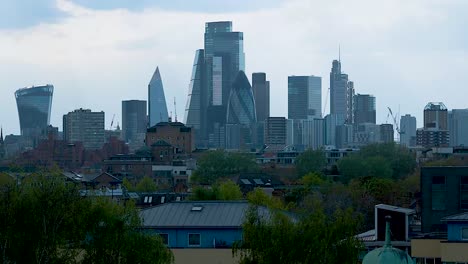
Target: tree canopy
{"x":45,"y":220}
{"x":226,"y":190}
{"x":310,"y":161}
{"x":387,"y":160}
{"x":213,"y":165}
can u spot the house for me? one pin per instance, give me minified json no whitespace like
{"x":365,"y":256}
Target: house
{"x":199,"y":232}
{"x":453,"y":248}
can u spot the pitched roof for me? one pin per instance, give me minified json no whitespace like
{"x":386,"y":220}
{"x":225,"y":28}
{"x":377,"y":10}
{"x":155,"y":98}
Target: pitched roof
{"x":396,"y":209}
{"x":193,"y":214}
{"x":458,"y":217}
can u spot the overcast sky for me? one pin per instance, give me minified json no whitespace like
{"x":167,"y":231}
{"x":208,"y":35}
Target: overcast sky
{"x":98,"y":53}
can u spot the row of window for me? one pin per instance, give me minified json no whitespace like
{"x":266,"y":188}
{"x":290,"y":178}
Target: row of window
{"x":439,"y":193}
{"x":194,"y":239}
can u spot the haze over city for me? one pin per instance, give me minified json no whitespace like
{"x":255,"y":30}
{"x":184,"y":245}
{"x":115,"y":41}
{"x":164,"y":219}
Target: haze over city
{"x":98,"y":54}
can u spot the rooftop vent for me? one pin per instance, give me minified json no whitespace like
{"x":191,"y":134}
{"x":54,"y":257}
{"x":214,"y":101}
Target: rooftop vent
{"x":197,"y":208}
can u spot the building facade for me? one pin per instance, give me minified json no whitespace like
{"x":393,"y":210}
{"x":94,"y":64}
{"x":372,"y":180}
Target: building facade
{"x":261,"y":92}
{"x":275,"y":132}
{"x":157,"y":107}
{"x":408,"y":130}
{"x":458,"y":127}
{"x":435,"y":132}
{"x":34,"y":109}
{"x":341,"y":93}
{"x":134,"y":123}
{"x":174,"y":133}
{"x":304,"y":97}
{"x":84,"y":126}
{"x":195,"y":116}
{"x":364,"y":109}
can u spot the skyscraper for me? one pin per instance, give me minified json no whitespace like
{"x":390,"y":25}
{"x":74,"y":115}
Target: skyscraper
{"x":241,"y":109}
{"x":34,"y":108}
{"x":304,"y":97}
{"x":364,"y":109}
{"x":195,"y":100}
{"x":435,"y":131}
{"x":84,"y":126}
{"x":458,"y":127}
{"x":261,"y":92}
{"x":157,"y":107}
{"x":341,"y":93}
{"x":275,"y":132}
{"x":408,"y":130}
{"x":134,"y":123}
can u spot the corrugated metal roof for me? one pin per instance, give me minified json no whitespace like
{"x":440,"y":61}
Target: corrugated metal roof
{"x":457,"y":217}
{"x":214,"y":214}
{"x":396,"y":209}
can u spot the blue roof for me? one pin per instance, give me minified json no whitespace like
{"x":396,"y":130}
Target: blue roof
{"x":193,"y":214}
{"x":463,"y":217}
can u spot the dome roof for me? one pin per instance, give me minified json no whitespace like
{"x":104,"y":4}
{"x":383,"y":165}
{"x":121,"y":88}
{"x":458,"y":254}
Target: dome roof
{"x":387,"y":253}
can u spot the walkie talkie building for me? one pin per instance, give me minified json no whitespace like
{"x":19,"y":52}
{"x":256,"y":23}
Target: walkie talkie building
{"x":34,"y":107}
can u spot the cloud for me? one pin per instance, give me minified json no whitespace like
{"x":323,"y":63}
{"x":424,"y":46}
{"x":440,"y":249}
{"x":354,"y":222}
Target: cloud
{"x":403,"y":52}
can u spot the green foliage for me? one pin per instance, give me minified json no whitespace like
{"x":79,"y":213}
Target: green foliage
{"x":378,"y":160}
{"x":128,"y":185}
{"x":146,"y":185}
{"x":45,"y":220}
{"x":214,"y":165}
{"x":227,"y":190}
{"x":260,"y":198}
{"x":312,"y":179}
{"x":310,"y":161}
{"x":315,"y":238}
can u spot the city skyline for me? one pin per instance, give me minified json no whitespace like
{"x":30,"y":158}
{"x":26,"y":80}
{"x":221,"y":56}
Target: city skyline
{"x":75,"y":66}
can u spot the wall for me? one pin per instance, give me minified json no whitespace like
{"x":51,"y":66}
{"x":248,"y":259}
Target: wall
{"x":178,"y":238}
{"x":206,"y":256}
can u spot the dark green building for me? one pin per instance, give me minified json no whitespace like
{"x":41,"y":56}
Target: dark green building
{"x":444,"y":192}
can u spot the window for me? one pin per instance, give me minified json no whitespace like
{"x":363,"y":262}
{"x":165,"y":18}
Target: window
{"x":438,"y":193}
{"x":465,"y":233}
{"x":194,"y":240}
{"x":165,"y":238}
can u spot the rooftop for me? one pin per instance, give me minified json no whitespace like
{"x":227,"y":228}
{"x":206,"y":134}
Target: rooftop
{"x":194,"y":214}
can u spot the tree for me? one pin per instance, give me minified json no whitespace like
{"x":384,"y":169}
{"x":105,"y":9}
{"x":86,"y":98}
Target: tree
{"x":128,"y":185}
{"x":259,"y":198}
{"x":314,"y":238}
{"x":214,"y":165}
{"x":310,"y":161}
{"x":227,"y":190}
{"x":146,"y":185}
{"x":45,"y":220}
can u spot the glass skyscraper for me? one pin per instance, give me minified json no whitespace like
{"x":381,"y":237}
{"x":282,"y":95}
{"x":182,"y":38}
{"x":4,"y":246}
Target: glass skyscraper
{"x":214,"y":70}
{"x":261,"y":91}
{"x":364,"y":109}
{"x":157,"y":107}
{"x":34,"y":108}
{"x":304,"y":97}
{"x":341,"y":93}
{"x":134,"y":123}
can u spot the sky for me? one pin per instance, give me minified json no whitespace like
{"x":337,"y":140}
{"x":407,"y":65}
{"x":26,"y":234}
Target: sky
{"x":97,"y":53}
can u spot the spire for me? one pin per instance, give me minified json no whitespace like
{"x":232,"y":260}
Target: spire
{"x":339,"y":53}
{"x":388,"y":240}
{"x":1,"y":134}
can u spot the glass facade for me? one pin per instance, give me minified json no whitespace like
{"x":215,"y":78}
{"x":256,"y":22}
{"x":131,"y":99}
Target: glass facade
{"x":34,"y":108}
{"x":156,"y":100}
{"x":241,"y":106}
{"x":341,"y":93}
{"x":134,"y":122}
{"x":364,"y":109}
{"x":261,"y":91}
{"x":194,"y":101}
{"x":304,"y":97}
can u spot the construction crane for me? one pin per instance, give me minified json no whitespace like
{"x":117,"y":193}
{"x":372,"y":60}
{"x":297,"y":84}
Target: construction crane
{"x":175,"y":110}
{"x":395,"y":123}
{"x":112,"y":122}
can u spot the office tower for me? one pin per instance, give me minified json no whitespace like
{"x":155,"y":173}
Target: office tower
{"x":312,"y":133}
{"x":289,"y":132}
{"x":261,"y":92}
{"x":386,"y":133}
{"x":304,"y":97}
{"x":436,"y":116}
{"x":2,"y":145}
{"x":341,"y":93}
{"x":134,"y":123}
{"x":34,"y":108}
{"x":241,"y":107}
{"x":157,"y":107}
{"x":331,"y":122}
{"x":458,"y":127}
{"x":435,"y":131}
{"x":364,"y":109}
{"x":275,"y":132}
{"x":345,"y":136}
{"x":84,"y":126}
{"x":408,"y":130}
{"x":195,"y":100}
{"x":214,"y":71}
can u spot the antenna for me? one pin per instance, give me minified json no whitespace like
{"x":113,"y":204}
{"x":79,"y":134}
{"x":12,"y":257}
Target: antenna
{"x":175,"y":110}
{"x":339,"y":53}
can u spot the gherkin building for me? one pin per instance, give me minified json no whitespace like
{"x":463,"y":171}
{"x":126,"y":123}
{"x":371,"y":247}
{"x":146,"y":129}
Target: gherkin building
{"x":241,"y":103}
